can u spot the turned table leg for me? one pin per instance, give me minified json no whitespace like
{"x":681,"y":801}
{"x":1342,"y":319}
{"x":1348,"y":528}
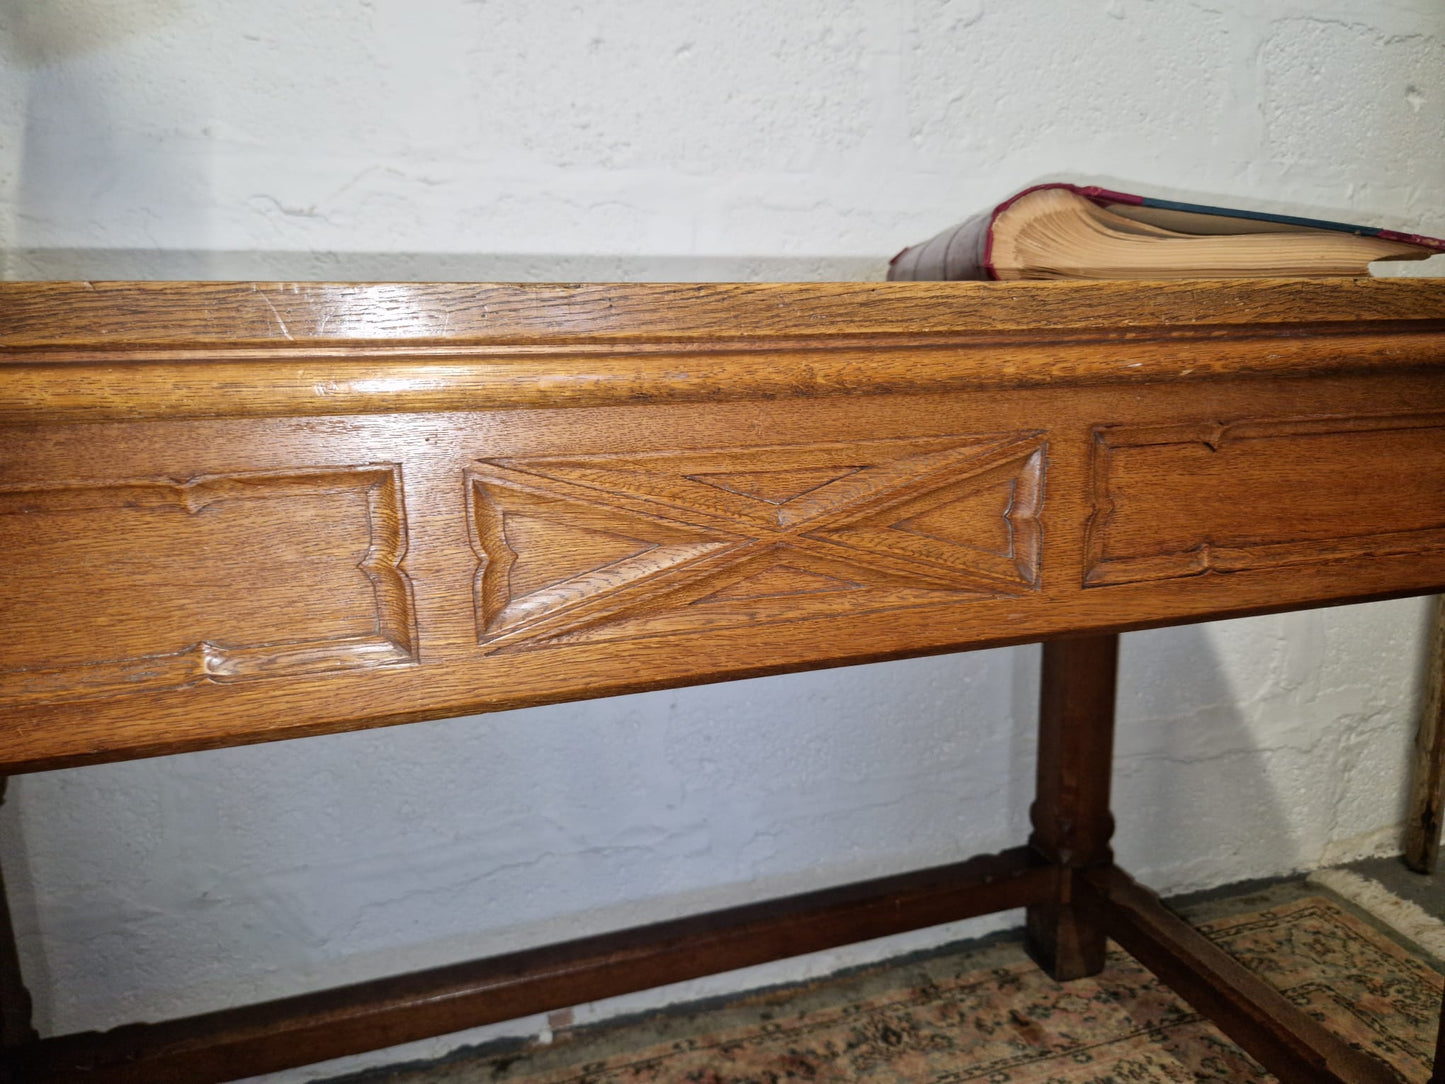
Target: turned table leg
{"x":1070,"y":814}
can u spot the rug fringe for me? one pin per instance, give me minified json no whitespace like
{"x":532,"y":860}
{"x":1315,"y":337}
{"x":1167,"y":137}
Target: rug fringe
{"x":1406,"y":918}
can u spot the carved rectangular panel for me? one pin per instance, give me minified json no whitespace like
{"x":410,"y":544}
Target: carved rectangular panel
{"x":1196,"y":499}
{"x":614,"y":547}
{"x":158,"y":584}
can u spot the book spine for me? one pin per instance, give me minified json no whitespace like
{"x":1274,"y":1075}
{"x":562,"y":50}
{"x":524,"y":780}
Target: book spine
{"x":964,"y":251}
{"x":956,"y":253}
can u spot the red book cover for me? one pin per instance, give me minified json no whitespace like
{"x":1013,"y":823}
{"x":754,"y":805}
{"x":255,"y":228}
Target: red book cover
{"x":964,"y":251}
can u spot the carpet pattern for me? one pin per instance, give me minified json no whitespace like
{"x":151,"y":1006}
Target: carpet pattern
{"x":1014,"y":1025}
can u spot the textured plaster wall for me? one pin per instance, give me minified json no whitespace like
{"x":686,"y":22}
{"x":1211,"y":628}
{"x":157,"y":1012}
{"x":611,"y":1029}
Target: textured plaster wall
{"x":677,"y":139}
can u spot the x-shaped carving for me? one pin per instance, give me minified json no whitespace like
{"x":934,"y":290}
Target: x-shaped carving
{"x":616,"y":546}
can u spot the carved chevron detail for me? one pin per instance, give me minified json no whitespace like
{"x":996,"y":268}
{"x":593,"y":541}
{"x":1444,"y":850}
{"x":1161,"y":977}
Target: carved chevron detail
{"x":609,"y":547}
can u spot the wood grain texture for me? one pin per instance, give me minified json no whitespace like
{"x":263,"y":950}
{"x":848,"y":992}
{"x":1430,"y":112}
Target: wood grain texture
{"x":241,"y":512}
{"x":128,"y":314}
{"x":617,"y":547}
{"x":162,"y":584}
{"x":307,"y":349}
{"x":1187,"y":499}
{"x":1427,"y":778}
{"x":233,"y":1043}
{"x":192,"y":560}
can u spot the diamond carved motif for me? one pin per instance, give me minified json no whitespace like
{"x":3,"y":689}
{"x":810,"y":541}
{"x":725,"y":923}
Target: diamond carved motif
{"x":614,"y":547}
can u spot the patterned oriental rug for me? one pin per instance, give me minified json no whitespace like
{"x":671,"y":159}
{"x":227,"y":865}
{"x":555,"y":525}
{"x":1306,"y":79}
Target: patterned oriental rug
{"x":1014,"y":1025}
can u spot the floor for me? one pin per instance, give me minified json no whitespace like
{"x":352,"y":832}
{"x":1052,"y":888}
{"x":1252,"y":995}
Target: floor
{"x":501,"y":1061}
{"x":1425,"y":890}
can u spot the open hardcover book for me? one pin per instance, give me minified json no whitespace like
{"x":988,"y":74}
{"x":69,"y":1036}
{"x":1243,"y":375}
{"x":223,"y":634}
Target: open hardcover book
{"x":1067,"y":231}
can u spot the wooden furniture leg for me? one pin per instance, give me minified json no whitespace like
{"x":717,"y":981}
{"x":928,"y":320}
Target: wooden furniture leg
{"x":270,"y":1036}
{"x":761,"y":478}
{"x":1070,"y":814}
{"x":1438,"y":1075}
{"x":16,"y":1029}
{"x":1274,"y":1031}
{"x":1427,"y":787}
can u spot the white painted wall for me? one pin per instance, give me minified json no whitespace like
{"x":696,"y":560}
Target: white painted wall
{"x":678,"y":139}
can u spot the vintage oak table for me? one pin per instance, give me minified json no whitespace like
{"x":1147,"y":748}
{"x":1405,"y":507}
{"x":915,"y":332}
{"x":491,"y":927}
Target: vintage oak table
{"x":240,"y":512}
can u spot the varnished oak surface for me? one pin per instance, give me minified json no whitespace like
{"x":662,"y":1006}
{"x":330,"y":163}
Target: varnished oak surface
{"x":237,"y":512}
{"x":337,"y":349}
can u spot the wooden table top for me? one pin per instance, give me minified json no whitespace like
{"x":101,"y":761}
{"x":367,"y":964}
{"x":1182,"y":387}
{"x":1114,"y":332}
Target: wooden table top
{"x":233,"y":512}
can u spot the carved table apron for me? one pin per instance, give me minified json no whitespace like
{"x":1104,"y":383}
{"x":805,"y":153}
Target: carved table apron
{"x":236,"y":513}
